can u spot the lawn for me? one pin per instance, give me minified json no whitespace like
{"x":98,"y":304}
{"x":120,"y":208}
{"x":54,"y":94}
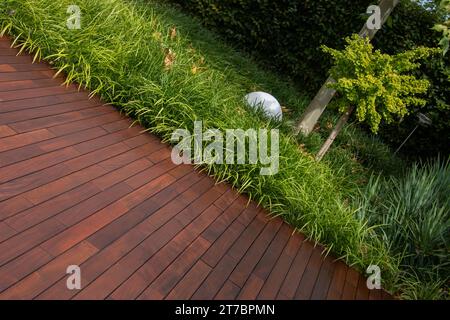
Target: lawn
{"x":162,"y":68}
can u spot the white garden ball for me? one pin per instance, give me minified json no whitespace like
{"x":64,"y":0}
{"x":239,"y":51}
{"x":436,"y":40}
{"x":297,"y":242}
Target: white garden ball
{"x":266,"y":102}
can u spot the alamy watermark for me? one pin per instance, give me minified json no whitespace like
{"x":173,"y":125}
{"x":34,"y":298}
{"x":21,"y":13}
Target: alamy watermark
{"x":228,"y":147}
{"x":374,"y":20}
{"x":374,"y":280}
{"x":74,"y":20}
{"x":73,"y":281}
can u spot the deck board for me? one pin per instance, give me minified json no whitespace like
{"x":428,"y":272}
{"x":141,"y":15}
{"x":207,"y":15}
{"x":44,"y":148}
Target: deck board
{"x":80,"y":185}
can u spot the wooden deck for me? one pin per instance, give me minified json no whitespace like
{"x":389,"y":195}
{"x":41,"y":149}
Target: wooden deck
{"x":78,"y":186}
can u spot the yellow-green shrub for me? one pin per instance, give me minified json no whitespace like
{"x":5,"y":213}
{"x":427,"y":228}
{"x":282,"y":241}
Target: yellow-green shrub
{"x":379,"y":85}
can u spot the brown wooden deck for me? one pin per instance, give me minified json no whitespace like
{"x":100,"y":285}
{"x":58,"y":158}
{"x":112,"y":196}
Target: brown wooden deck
{"x":78,"y":186}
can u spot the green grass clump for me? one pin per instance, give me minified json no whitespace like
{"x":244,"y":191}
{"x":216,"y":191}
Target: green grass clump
{"x":130,"y":54}
{"x":414,"y":217}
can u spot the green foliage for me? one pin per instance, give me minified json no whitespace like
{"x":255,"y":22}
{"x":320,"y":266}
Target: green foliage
{"x":414,"y":215}
{"x":128,"y":52}
{"x":287,"y":34}
{"x":444,"y":27}
{"x":284,"y":34}
{"x":379,"y":85}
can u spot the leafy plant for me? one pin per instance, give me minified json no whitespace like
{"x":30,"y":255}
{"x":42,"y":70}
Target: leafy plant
{"x":444,"y":27}
{"x":379,"y":85}
{"x":286,"y":36}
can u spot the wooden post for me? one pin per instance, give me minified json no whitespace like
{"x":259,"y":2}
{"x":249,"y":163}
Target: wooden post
{"x":317,"y":106}
{"x":339,"y":125}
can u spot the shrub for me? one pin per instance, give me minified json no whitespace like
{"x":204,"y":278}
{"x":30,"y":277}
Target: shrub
{"x":404,"y":34}
{"x":379,"y":85}
{"x":413,"y":213}
{"x":287,"y":36}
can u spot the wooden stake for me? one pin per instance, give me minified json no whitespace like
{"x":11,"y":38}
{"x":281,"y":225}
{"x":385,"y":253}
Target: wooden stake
{"x":339,"y":125}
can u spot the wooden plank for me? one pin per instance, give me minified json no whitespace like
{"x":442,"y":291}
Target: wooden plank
{"x":7,"y":209}
{"x":128,"y":221}
{"x":245,"y":241}
{"x":310,"y":275}
{"x":362,"y":292}
{"x":20,"y":140}
{"x":9,"y":51}
{"x":22,"y":242}
{"x":167,"y":280}
{"x":45,"y":101}
{"x":36,"y":214}
{"x":218,"y":227}
{"x":106,"y":140}
{"x":85,"y":123}
{"x":25,"y":75}
{"x":375,"y":294}
{"x":227,"y":199}
{"x":4,"y":67}
{"x":53,"y":144}
{"x":100,"y":219}
{"x":61,"y":168}
{"x":190,"y":282}
{"x":216,"y":278}
{"x":251,"y":288}
{"x":153,"y":267}
{"x":22,"y":266}
{"x":6,"y":131}
{"x":323,"y":280}
{"x":162,"y":154}
{"x":117,"y":125}
{"x":26,"y":167}
{"x":40,"y":280}
{"x":149,"y":174}
{"x":298,"y":267}
{"x":229,"y":291}
{"x":273,"y":252}
{"x":101,"y":287}
{"x":223,"y":243}
{"x":59,"y":186}
{"x":11,"y":191}
{"x":97,"y":202}
{"x":255,"y":253}
{"x":256,"y":281}
{"x":124,"y":172}
{"x":66,"y":166}
{"x":274,"y":281}
{"x":27,"y":84}
{"x":107,"y":257}
{"x":4,"y":44}
{"x":337,"y":282}
{"x":112,"y":278}
{"x":351,"y":284}
{"x":44,"y":111}
{"x":50,"y":121}
{"x":5,"y":231}
{"x":15,"y":59}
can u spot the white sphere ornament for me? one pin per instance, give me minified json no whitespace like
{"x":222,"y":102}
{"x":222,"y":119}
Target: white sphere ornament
{"x":270,"y":106}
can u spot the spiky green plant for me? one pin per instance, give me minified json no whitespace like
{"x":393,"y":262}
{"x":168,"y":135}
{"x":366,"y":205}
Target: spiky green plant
{"x":413,"y":213}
